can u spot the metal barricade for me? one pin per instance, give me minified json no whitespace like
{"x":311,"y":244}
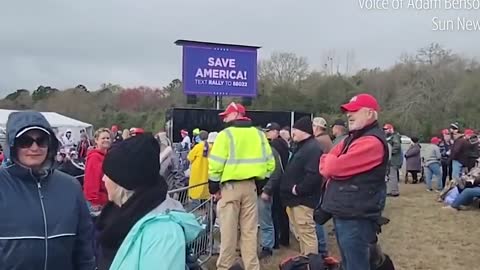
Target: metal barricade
{"x":181,"y":155}
{"x":183,"y":162}
{"x":202,"y":247}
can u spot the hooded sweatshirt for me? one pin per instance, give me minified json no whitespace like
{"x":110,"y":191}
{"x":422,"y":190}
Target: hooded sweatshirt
{"x":68,"y":143}
{"x":44,"y":221}
{"x":93,"y":186}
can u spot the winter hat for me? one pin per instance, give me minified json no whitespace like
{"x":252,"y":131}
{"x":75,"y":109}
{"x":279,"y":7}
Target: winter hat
{"x":339,"y":122}
{"x":134,"y":163}
{"x":455,"y":126}
{"x":304,"y":124}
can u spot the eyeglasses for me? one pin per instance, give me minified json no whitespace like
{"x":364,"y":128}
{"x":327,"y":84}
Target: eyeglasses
{"x":27,"y":141}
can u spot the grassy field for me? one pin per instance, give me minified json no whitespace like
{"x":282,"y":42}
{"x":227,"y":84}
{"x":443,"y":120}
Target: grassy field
{"x":421,"y":235}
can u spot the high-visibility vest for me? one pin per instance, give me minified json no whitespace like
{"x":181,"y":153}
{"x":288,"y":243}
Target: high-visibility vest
{"x":240,"y":153}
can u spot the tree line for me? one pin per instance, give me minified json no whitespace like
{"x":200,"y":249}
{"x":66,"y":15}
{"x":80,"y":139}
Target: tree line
{"x":421,"y":94}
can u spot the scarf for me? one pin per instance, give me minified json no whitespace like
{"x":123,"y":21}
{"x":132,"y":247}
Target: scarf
{"x":115,"y":222}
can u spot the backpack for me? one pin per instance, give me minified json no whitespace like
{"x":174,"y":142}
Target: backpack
{"x":309,"y":262}
{"x":192,"y":261}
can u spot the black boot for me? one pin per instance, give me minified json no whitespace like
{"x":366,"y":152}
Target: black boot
{"x":265,"y":253}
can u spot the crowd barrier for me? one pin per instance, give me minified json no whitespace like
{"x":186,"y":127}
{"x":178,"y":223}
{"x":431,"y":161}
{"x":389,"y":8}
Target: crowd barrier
{"x":202,"y":247}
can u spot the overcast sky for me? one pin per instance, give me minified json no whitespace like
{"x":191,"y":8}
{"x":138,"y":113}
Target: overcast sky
{"x":63,"y":43}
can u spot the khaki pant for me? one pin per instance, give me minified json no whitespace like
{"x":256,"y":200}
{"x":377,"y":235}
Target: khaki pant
{"x":238,"y":209}
{"x":292,"y":227}
{"x":302,"y":219}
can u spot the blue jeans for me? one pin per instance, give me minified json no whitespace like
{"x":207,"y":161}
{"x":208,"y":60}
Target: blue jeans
{"x":456,"y":169}
{"x":322,"y":241}
{"x":267,"y":232}
{"x":354,"y":237}
{"x":431,"y":170}
{"x":466,"y":197}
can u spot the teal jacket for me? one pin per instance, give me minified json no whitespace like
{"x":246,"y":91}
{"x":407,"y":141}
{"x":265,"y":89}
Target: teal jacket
{"x":158,"y":240}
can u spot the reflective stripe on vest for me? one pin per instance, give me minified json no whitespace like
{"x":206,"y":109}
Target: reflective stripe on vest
{"x":232,"y":160}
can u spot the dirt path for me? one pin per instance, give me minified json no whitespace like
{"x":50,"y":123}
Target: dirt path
{"x":420,"y":236}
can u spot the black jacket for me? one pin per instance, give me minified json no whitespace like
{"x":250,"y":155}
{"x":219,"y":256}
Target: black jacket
{"x":282,"y":148}
{"x":44,"y":222}
{"x":271,"y":187}
{"x":302,"y":171}
{"x":460,"y":151}
{"x":73,"y":168}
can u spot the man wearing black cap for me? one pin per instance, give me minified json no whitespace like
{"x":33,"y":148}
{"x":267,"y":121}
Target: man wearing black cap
{"x":44,"y":221}
{"x":454,"y":128}
{"x":273,"y":134}
{"x":301,"y":184}
{"x":339,"y":131}
{"x":272,"y":206}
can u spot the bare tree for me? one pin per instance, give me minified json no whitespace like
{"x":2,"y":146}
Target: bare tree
{"x":284,"y":68}
{"x":433,"y":54}
{"x":350,"y":63}
{"x":330,"y":62}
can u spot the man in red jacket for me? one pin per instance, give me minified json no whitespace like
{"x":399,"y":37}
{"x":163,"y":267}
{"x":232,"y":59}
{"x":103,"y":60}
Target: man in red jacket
{"x":355,"y":191}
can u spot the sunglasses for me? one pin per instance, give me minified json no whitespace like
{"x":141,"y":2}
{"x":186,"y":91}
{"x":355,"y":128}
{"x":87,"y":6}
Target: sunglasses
{"x":27,"y":141}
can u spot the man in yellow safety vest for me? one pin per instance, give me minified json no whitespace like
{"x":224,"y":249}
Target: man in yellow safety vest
{"x":240,"y":159}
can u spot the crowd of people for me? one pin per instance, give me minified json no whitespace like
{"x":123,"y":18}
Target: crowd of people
{"x":459,"y":154}
{"x":99,"y":203}
{"x":294,"y":180}
{"x":450,"y":159}
{"x":49,"y":221}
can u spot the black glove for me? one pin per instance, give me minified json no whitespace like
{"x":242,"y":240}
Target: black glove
{"x":213,"y":187}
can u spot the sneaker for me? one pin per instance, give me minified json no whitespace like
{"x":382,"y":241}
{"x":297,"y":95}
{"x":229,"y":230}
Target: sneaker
{"x":429,"y":189}
{"x":265,"y":253}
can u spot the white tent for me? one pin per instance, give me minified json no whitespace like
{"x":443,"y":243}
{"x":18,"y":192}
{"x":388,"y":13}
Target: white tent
{"x":59,"y":123}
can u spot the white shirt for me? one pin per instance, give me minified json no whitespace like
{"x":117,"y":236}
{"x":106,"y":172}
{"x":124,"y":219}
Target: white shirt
{"x":186,"y":142}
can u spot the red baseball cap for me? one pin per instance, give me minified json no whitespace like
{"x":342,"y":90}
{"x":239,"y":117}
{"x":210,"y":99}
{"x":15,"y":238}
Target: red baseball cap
{"x":233,"y":108}
{"x":361,"y":101}
{"x":445,"y":132}
{"x":435,"y":140}
{"x":469,"y":132}
{"x":135,"y":130}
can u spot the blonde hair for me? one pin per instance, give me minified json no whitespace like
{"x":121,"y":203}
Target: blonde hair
{"x":100,"y":131}
{"x":120,"y":195}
